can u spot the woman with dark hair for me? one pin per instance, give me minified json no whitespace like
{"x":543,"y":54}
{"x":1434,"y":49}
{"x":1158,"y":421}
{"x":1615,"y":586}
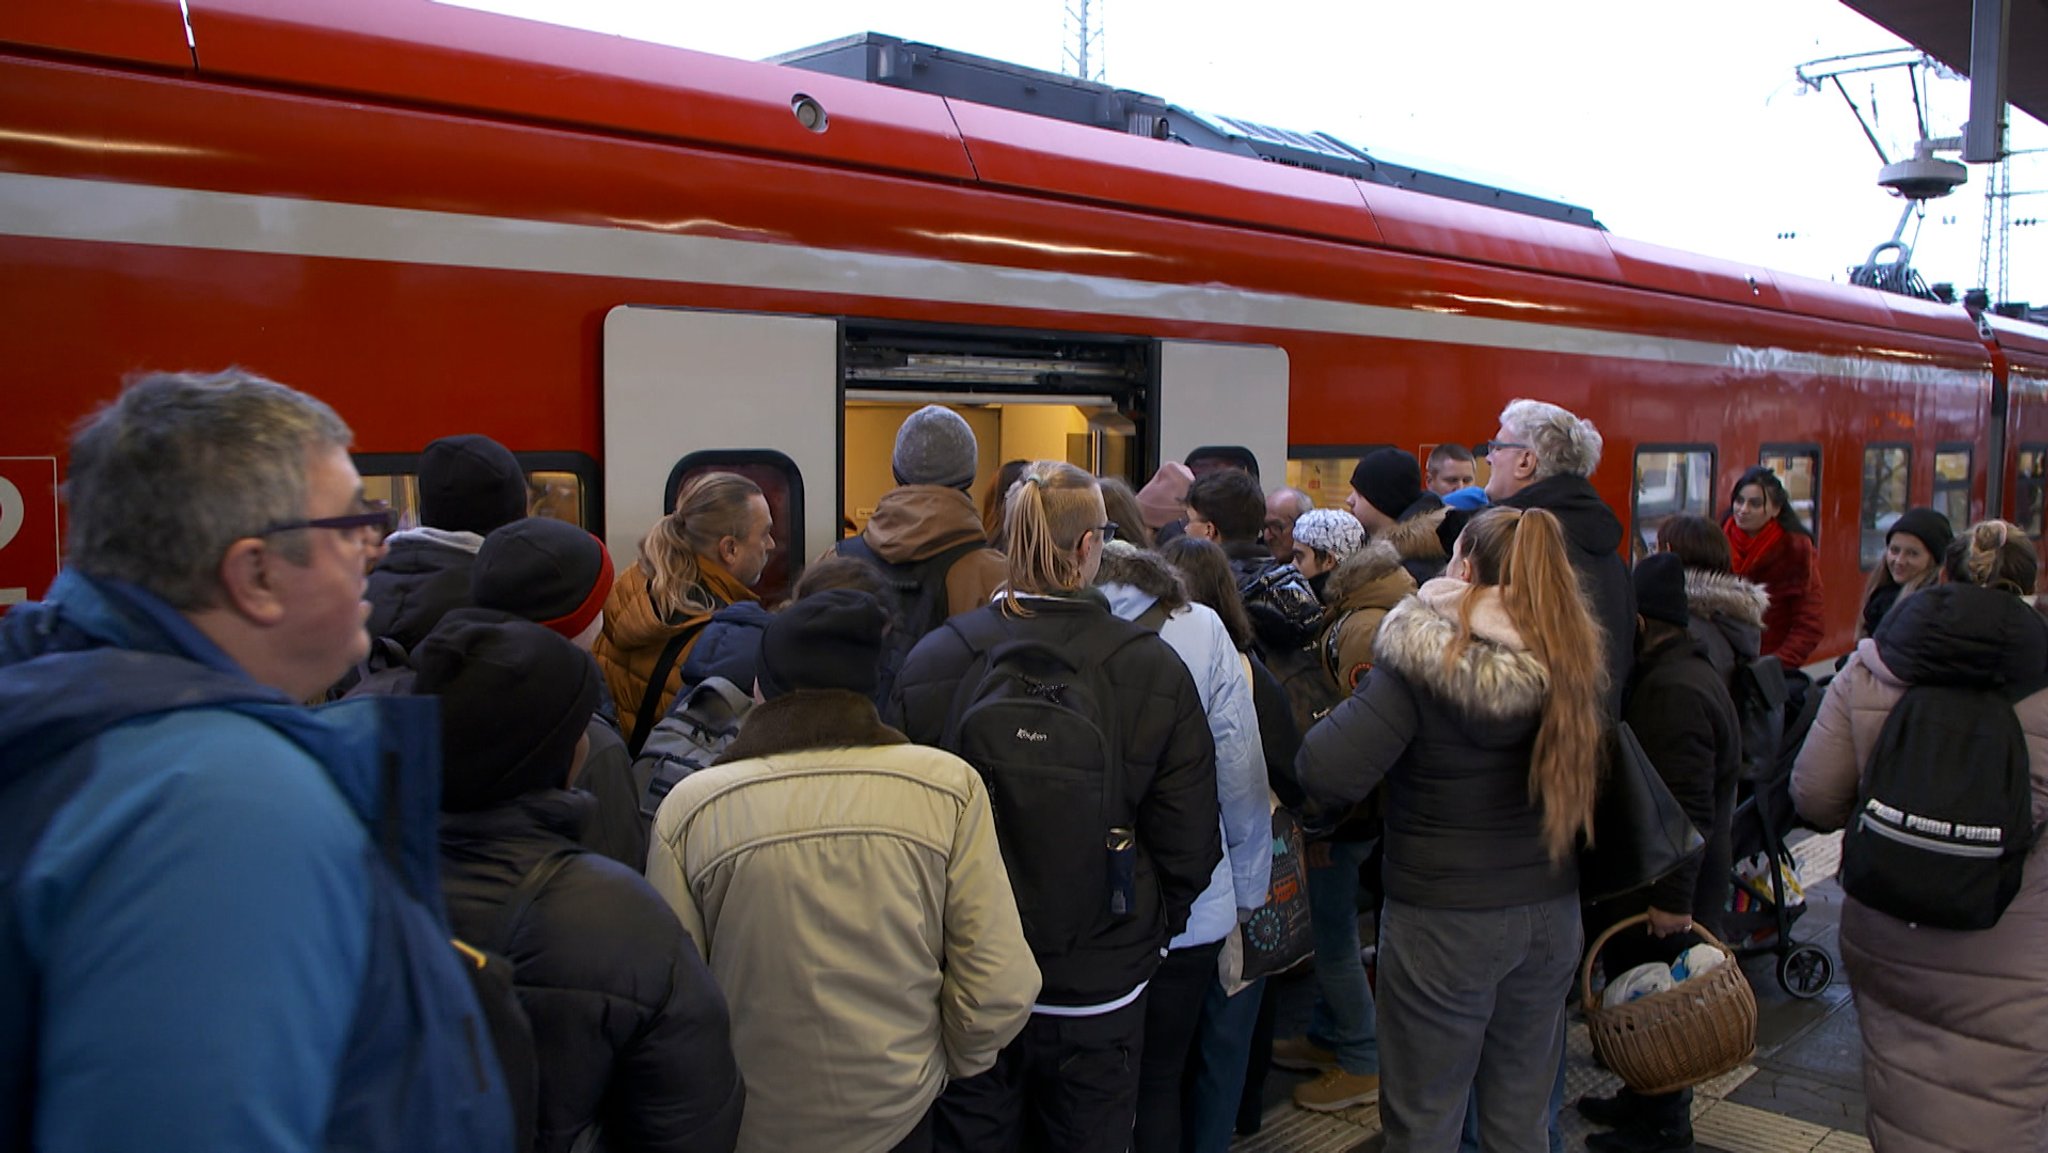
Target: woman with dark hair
{"x":1955,"y":1023}
{"x":1913,"y":550}
{"x":1482,"y":719}
{"x":1770,"y":545}
{"x":992,"y":501}
{"x":1122,"y":506}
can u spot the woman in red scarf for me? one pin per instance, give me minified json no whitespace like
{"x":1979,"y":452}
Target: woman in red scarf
{"x":1772,"y":547}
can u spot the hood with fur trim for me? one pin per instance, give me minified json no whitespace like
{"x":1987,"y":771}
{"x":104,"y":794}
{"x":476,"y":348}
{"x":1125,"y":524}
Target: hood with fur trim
{"x":1715,"y":594}
{"x":1372,"y":577}
{"x":1496,"y":678}
{"x":1145,"y":571}
{"x":1416,"y":539}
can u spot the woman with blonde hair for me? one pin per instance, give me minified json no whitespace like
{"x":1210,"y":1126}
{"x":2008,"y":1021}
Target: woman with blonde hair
{"x":705,"y":555}
{"x":1482,"y":718}
{"x":1102,"y":773}
{"x":1955,"y":1022}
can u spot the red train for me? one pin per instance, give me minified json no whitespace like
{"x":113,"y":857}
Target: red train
{"x":626,"y":260}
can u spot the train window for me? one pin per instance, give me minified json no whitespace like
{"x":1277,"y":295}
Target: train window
{"x":1670,"y":480}
{"x":781,"y":482}
{"x":1798,"y":465}
{"x":1324,"y":471}
{"x":1887,"y":491}
{"x":2031,"y":496}
{"x":1952,"y":484}
{"x":562,"y":485}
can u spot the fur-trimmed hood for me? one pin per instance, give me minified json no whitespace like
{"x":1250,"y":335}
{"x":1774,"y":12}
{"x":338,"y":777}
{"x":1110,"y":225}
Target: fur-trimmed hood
{"x":1496,"y":677}
{"x":1372,"y":577}
{"x":1713,"y":594}
{"x":1417,"y":537}
{"x":1145,"y":571}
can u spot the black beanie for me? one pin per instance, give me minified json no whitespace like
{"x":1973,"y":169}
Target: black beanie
{"x":515,"y":699}
{"x":545,"y":570}
{"x":828,"y":640}
{"x":470,"y":483}
{"x":1660,"y":589}
{"x":1389,"y":480}
{"x":1932,"y":529}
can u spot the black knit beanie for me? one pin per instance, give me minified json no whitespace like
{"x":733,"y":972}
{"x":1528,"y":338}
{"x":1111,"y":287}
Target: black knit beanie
{"x":1660,"y":589}
{"x":828,"y":640}
{"x":515,"y":699}
{"x":1389,"y":480}
{"x":1932,"y":529}
{"x":470,"y":483}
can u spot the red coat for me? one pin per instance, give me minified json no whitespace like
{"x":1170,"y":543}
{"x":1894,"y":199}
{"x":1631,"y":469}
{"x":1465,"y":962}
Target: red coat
{"x":1792,"y":626}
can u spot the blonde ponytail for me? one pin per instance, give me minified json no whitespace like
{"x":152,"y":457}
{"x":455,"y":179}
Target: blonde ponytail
{"x":1523,"y":552}
{"x":1993,"y":554}
{"x":711,"y":507}
{"x":1052,"y":505}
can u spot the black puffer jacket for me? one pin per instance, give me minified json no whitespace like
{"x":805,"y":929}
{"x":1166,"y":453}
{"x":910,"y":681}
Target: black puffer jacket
{"x":1169,"y":763}
{"x":1452,"y":746}
{"x":630,"y":1029}
{"x":423,"y":577}
{"x":1679,"y":707}
{"x":1285,"y":614}
{"x":1592,"y":535}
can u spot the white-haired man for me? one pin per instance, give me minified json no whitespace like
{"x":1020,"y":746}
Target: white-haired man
{"x":1541,"y":458}
{"x":220,"y":917}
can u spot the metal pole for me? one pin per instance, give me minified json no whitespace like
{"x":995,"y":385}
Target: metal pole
{"x":1990,"y":36}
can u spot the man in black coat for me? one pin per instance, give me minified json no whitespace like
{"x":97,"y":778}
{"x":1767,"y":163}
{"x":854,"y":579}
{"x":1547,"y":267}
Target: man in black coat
{"x":1680,"y":711}
{"x":468,"y":486}
{"x":630,"y":1031}
{"x":1541,"y":458}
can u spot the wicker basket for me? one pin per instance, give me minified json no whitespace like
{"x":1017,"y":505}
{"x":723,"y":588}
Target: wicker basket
{"x":1692,"y":1032}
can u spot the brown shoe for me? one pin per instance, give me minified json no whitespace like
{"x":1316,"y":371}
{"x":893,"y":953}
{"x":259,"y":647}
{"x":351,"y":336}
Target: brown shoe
{"x":1302,"y":1054}
{"x":1336,"y":1089}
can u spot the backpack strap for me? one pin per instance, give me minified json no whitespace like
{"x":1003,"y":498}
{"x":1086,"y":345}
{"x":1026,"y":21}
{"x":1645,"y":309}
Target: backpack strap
{"x":522,"y":898}
{"x":1153,"y":618}
{"x":922,"y":576}
{"x":650,"y":701}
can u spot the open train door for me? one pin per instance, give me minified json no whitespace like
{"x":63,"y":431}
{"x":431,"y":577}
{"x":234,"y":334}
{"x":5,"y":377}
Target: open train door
{"x":1224,"y":394}
{"x":687,"y":391}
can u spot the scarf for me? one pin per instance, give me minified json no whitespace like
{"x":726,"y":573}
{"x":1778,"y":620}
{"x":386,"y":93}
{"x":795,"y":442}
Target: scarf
{"x":1749,"y":550}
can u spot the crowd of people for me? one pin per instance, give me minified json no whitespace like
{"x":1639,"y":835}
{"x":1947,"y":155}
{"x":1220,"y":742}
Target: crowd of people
{"x":952,"y":851}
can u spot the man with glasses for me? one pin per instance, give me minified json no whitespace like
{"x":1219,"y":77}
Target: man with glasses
{"x":222,"y":922}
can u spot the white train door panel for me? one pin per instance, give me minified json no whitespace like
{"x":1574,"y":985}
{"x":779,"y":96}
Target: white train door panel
{"x":678,"y":381}
{"x":1224,"y":394}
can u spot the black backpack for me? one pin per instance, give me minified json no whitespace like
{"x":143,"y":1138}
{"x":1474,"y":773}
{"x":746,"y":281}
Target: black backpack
{"x":921,"y":602}
{"x":1944,"y":812}
{"x":1759,"y":691}
{"x":1039,"y":723}
{"x":698,"y":727}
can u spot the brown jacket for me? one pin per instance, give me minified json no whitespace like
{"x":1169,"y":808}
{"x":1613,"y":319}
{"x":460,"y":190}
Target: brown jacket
{"x":634,"y":635}
{"x":922,"y":520}
{"x":1366,"y":584}
{"x":1955,"y":1024}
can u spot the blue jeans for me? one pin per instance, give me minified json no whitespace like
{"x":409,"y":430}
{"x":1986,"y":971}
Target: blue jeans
{"x":1468,"y":1141}
{"x":1472,"y":1003}
{"x":1343,"y":1020}
{"x":1216,"y":1067}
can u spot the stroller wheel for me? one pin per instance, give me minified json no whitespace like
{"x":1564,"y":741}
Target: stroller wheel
{"x":1806,"y":971}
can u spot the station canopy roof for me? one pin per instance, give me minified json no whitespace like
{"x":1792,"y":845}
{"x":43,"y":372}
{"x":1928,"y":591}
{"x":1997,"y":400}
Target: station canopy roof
{"x":1941,"y":28}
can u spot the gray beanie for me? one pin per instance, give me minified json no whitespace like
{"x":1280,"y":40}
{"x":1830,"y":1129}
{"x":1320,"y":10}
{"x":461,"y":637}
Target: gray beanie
{"x":935,"y":446}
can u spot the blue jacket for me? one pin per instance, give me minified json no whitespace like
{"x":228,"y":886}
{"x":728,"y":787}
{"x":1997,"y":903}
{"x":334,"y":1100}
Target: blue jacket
{"x":1194,"y":632}
{"x":220,"y":913}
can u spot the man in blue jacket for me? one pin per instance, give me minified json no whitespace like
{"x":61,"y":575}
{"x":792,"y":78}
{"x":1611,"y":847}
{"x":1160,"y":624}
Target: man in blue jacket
{"x":220,"y":920}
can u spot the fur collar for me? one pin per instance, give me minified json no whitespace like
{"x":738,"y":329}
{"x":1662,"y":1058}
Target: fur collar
{"x":1372,"y":577}
{"x":1495,"y":678}
{"x":1416,"y":538}
{"x":1145,"y":571}
{"x":1713,"y":594}
{"x":809,"y":719}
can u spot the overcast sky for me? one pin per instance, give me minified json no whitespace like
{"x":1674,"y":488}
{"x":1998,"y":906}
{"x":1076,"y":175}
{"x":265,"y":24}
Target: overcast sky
{"x":1675,"y":123}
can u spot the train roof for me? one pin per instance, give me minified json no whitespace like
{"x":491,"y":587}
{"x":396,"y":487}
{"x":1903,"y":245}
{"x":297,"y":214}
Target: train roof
{"x":442,"y":58}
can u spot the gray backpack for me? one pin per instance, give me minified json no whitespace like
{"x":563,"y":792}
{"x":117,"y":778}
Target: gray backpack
{"x":698,"y":727}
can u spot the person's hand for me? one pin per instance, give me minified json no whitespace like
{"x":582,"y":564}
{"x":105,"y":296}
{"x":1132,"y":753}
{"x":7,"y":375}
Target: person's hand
{"x":1663,"y":924}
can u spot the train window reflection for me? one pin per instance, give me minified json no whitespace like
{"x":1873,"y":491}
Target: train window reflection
{"x":1798,"y":465}
{"x":1670,"y":480}
{"x":1887,"y":489}
{"x":558,"y":485}
{"x":1324,"y":471}
{"x":2031,"y":496}
{"x":1952,"y":484}
{"x":781,"y":482}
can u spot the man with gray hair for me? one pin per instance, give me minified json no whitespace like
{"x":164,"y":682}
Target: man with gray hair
{"x":1541,"y":458}
{"x":221,"y":925}
{"x":1284,"y":506}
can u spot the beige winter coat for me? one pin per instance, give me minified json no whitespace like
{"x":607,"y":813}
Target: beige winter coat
{"x":1955,"y":1024}
{"x":848,"y":892}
